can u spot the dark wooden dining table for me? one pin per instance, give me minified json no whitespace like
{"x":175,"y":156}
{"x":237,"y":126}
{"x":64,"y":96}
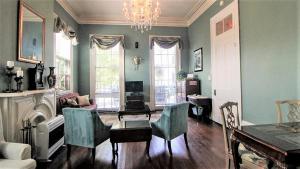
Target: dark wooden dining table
{"x":279,"y":143}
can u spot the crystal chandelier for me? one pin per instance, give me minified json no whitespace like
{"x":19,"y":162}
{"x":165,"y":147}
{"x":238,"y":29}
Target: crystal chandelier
{"x":141,"y":13}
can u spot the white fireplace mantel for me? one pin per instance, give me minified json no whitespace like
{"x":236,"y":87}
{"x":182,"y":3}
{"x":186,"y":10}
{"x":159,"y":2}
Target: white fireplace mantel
{"x":34,"y":105}
{"x":26,"y":93}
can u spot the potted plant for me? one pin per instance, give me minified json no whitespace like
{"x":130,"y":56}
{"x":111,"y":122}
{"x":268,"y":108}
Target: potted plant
{"x":181,"y":75}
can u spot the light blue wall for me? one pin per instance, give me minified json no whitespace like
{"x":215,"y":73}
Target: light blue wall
{"x":59,"y":11}
{"x":199,"y":36}
{"x":268,"y":56}
{"x":298,"y":28}
{"x":131,"y":37}
{"x":268,"y":35}
{"x":8,"y":35}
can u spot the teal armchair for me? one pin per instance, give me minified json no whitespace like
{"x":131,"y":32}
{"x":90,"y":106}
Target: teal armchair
{"x":84,"y":128}
{"x":172,"y":123}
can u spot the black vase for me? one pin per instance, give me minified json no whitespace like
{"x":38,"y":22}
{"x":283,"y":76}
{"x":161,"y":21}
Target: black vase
{"x":51,"y":78}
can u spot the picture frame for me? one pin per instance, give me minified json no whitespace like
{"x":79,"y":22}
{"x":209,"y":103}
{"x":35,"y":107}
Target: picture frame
{"x":198,"y":55}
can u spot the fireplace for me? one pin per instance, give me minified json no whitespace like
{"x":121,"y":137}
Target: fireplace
{"x":37,"y":106}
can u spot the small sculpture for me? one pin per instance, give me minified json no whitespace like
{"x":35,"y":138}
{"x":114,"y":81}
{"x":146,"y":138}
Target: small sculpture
{"x":136,"y":60}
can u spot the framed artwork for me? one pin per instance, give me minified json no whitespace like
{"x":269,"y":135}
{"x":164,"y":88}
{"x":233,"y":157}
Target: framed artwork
{"x":198,"y":54}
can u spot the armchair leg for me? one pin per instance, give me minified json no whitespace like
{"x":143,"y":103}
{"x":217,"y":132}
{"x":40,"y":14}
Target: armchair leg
{"x":93,"y":155}
{"x":68,"y":151}
{"x":170,"y":148}
{"x":186,"y":142}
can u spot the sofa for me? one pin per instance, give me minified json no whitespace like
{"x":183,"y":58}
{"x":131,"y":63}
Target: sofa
{"x":62,"y":102}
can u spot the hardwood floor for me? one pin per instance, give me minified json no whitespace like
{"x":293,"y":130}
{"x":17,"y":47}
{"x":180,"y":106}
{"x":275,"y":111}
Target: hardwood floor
{"x":206,"y":151}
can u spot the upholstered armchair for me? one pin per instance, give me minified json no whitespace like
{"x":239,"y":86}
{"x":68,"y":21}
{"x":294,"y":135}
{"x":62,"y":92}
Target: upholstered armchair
{"x":84,"y":128}
{"x":231,"y":120}
{"x":15,"y":155}
{"x":172,"y":123}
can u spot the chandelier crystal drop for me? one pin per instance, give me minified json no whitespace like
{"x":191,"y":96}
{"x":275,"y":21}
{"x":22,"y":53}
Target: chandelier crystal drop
{"x":141,"y":13}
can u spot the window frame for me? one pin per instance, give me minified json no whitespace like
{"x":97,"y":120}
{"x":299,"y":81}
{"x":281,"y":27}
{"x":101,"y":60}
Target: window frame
{"x":152,"y":70}
{"x":61,"y":91}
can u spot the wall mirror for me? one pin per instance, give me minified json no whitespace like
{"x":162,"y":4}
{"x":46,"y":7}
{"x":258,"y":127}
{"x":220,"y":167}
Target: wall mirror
{"x":31,"y":39}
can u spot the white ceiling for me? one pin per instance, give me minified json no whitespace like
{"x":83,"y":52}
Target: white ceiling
{"x":174,"y":12}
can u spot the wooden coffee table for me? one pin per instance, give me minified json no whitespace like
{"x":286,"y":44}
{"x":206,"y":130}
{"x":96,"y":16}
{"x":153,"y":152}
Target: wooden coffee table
{"x":123,"y":111}
{"x":130,"y":131}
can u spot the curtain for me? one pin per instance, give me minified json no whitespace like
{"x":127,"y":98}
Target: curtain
{"x":165,"y":42}
{"x":106,"y":42}
{"x":61,"y":26}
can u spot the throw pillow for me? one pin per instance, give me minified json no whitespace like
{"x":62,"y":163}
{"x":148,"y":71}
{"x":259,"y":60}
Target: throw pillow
{"x":72,"y":102}
{"x":84,"y":100}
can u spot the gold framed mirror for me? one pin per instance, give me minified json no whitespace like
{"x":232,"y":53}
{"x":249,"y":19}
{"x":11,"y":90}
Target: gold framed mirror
{"x":31,"y":35}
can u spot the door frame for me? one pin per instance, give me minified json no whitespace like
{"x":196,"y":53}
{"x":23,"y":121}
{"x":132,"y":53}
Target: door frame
{"x":234,"y":7}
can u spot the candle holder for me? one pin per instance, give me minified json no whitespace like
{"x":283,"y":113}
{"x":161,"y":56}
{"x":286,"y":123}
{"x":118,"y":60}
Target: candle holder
{"x":19,"y":83}
{"x":10,"y":74}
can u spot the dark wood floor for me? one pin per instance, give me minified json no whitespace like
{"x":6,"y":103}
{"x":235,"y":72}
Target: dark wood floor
{"x":206,"y":151}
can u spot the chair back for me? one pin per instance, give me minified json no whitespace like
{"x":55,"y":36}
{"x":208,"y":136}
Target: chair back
{"x":230,"y":119}
{"x":178,"y":118}
{"x":292,"y":112}
{"x":79,"y":127}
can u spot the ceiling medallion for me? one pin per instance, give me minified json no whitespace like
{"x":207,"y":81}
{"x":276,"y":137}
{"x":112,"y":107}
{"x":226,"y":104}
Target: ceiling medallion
{"x":141,"y":13}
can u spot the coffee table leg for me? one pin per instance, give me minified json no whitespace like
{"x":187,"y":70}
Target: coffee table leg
{"x":113,"y":150}
{"x":119,"y":116}
{"x":149,"y":116}
{"x":147,"y":148}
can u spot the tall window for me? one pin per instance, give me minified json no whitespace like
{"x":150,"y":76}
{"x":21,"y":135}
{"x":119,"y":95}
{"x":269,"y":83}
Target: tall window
{"x":166,"y":64}
{"x":108,"y":78}
{"x":63,"y":61}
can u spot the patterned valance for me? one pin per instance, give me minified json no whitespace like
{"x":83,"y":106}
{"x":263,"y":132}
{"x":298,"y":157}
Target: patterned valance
{"x":166,"y":42}
{"x":106,"y":42}
{"x":61,"y":26}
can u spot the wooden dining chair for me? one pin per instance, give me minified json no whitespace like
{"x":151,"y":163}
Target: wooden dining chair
{"x":230,"y":119}
{"x":293,"y":110}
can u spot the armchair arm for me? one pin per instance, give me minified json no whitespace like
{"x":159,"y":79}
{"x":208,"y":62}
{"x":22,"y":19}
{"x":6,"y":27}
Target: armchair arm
{"x":15,"y":151}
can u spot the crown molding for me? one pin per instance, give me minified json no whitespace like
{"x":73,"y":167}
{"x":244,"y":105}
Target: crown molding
{"x":68,"y":9}
{"x":197,"y":10}
{"x":164,"y":21}
{"x":200,"y":11}
{"x":193,"y":10}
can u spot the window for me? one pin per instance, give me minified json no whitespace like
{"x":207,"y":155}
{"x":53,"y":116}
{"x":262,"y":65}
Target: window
{"x":63,"y":61}
{"x":107,"y":77}
{"x":165,"y":65}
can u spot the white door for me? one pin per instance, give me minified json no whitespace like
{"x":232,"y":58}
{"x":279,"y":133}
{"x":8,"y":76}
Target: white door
{"x":226,"y":78}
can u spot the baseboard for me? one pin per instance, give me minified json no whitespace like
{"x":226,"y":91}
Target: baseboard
{"x":247,"y":123}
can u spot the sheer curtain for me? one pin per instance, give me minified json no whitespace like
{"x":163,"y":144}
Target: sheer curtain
{"x":165,"y":62}
{"x":107,"y":71}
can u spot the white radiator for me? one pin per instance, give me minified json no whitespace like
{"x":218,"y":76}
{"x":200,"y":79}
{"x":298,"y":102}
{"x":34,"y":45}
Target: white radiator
{"x":49,"y":137}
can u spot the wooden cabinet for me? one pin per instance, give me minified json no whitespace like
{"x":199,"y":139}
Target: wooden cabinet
{"x":187,"y":87}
